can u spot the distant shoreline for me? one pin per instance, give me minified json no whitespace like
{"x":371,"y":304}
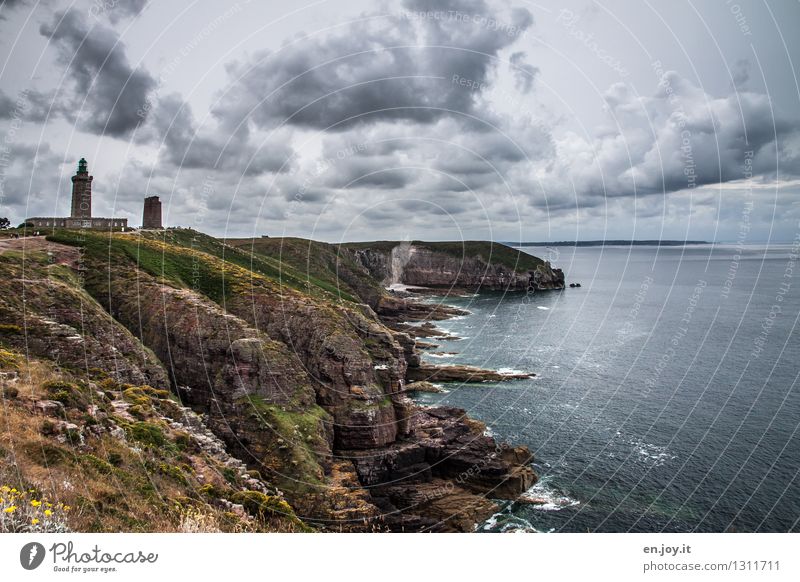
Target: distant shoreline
{"x":612,"y":243}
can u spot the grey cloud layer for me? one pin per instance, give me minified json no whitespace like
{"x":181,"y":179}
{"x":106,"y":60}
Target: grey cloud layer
{"x":401,"y":105}
{"x":396,"y":67}
{"x":106,"y":94}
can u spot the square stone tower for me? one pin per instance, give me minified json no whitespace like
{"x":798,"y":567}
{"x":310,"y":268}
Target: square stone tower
{"x":152,"y":213}
{"x":82,"y":192}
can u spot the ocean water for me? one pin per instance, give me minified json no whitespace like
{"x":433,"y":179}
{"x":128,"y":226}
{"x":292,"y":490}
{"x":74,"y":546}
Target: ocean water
{"x":666,"y":396}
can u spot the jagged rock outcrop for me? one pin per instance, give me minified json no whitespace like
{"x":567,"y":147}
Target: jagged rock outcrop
{"x":450,"y":455}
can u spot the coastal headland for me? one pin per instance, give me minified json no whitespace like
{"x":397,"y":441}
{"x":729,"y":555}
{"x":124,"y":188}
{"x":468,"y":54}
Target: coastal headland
{"x":261,"y":384}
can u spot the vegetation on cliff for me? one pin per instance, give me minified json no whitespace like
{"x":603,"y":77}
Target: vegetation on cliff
{"x":233,"y":385}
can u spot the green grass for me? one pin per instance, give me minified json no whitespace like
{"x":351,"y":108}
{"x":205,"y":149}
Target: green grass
{"x":299,"y":431}
{"x":180,"y":259}
{"x":147,"y":434}
{"x":315,"y":263}
{"x":180,"y":269}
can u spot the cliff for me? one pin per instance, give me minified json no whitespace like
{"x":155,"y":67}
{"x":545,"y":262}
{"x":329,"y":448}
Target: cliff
{"x":469,"y":265}
{"x":268,"y":352}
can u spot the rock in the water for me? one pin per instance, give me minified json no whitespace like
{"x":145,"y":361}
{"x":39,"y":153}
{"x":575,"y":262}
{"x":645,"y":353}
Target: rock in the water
{"x":422,"y":386}
{"x":461,"y":373}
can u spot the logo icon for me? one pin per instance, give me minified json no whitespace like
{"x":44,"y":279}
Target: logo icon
{"x":31,"y":555}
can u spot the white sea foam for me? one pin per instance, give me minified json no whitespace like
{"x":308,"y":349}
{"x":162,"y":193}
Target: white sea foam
{"x":402,"y":287}
{"x":542,"y":498}
{"x":542,"y":307}
{"x":505,"y":522}
{"x":651,"y":453}
{"x":439,"y":355}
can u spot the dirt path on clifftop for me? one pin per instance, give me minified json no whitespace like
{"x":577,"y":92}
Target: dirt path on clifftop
{"x":61,"y":254}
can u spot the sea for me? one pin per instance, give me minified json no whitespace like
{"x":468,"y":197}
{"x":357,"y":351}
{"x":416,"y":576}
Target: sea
{"x":666,"y":394}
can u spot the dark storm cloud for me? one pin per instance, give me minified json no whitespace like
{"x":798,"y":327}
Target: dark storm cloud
{"x":416,"y":66}
{"x":109,"y":96}
{"x":173,"y":126}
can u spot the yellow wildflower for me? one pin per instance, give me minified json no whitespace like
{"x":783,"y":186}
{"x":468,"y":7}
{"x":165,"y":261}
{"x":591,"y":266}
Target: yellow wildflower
{"x":35,"y":503}
{"x":11,"y":509}
{"x":34,"y":521}
{"x":67,"y":508}
{"x":49,"y":504}
{"x":48,"y":513}
{"x":14,"y":490}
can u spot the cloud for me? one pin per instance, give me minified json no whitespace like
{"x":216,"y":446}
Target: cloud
{"x":29,"y":182}
{"x":31,"y":105}
{"x":398,"y":67}
{"x":524,"y":73}
{"x":124,"y":9}
{"x":741,"y":73}
{"x":680,"y":138}
{"x":7,"y":106}
{"x":172,"y":127}
{"x":108,"y":95}
{"x":6,"y":5}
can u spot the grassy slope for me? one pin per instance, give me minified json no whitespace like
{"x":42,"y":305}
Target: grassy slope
{"x":320,"y":263}
{"x":187,"y":258}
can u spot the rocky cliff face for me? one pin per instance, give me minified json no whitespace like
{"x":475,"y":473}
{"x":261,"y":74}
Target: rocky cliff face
{"x":495,"y":267}
{"x":303,"y":387}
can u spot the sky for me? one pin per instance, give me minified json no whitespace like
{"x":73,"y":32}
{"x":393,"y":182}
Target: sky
{"x":412,"y":119}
